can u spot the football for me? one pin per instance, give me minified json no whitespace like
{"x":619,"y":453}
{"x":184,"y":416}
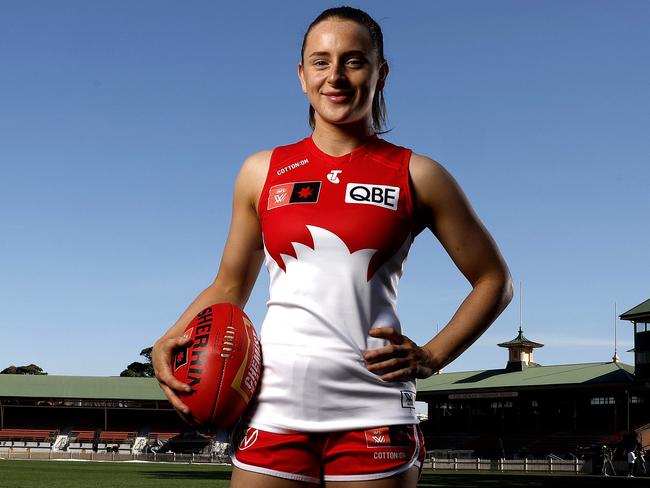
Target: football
{"x":223,"y":365}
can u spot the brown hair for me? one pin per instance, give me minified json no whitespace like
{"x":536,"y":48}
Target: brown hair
{"x":377,"y":38}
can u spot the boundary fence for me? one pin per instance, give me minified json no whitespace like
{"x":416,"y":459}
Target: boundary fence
{"x":89,"y":455}
{"x":575,"y":466}
{"x":525,"y":465}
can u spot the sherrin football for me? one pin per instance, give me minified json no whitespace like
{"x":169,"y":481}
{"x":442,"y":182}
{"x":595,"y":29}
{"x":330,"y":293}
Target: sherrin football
{"x":223,"y":365}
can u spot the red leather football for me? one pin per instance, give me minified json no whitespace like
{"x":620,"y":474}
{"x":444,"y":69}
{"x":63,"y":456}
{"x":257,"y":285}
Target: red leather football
{"x":223,"y":365}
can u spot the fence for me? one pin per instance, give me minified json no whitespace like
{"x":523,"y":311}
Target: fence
{"x":433,"y":463}
{"x":525,"y":465}
{"x":89,"y":455}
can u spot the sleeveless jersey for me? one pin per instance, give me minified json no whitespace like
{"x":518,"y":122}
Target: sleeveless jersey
{"x":336,"y":233}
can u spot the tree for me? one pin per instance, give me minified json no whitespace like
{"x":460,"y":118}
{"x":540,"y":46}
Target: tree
{"x":138,"y":369}
{"x":29,"y":369}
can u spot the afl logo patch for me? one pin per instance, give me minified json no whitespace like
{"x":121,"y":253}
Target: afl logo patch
{"x":288,"y":193}
{"x":379,"y":195}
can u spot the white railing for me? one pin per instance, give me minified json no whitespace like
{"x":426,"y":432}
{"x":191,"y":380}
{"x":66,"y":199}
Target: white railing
{"x":454,"y":464}
{"x":525,"y":465}
{"x":90,"y":455}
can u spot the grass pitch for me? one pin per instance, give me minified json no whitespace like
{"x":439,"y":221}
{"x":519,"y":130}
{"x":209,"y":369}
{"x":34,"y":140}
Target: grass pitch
{"x":83,"y":474}
{"x":86,"y":474}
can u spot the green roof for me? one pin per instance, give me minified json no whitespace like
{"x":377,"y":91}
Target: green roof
{"x":534,"y":376}
{"x":87,"y":387}
{"x":117,"y":388}
{"x":640,"y":311}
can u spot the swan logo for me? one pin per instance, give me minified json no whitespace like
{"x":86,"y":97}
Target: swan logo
{"x":248,"y":439}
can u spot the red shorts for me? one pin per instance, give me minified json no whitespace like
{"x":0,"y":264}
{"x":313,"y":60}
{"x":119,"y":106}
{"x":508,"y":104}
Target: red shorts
{"x":356,"y":455}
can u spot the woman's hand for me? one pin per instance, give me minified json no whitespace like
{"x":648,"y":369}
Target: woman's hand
{"x":401,"y":360}
{"x":162,"y":358}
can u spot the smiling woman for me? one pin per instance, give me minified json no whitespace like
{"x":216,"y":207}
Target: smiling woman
{"x":332,"y":69}
{"x":333,"y":217}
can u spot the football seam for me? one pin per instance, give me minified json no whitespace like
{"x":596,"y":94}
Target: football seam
{"x":223,"y":371}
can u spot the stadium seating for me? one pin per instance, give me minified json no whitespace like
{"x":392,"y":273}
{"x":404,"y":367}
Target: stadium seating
{"x":82,"y":435}
{"x":117,"y":437}
{"x":28,"y":435}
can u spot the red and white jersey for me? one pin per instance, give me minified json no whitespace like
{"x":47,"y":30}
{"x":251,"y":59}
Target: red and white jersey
{"x":336,"y":232}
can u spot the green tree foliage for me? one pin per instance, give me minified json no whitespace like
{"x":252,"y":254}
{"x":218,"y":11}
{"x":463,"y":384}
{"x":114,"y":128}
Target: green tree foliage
{"x":29,"y":369}
{"x":138,"y":369}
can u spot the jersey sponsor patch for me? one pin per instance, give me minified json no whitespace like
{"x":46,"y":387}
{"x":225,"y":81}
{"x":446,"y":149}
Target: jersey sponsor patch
{"x":408,"y":399}
{"x":292,"y":166}
{"x":379,"y":195}
{"x":391,"y":436}
{"x":333,"y":176}
{"x":299,"y":192}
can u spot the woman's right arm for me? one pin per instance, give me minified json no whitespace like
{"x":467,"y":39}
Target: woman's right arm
{"x":240,"y":264}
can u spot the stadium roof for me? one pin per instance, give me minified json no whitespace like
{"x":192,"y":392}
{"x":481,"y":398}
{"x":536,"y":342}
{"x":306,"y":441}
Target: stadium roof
{"x":117,"y":388}
{"x":640,"y":311}
{"x":586,"y":374}
{"x":87,"y":387}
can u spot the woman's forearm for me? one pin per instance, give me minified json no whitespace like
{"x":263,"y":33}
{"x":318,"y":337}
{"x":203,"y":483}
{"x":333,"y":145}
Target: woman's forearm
{"x":488,"y":298}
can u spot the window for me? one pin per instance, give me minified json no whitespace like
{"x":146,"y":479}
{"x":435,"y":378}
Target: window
{"x":642,"y":357}
{"x":636,"y":399}
{"x":603,"y":401}
{"x":501,"y":405}
{"x":642,"y":326}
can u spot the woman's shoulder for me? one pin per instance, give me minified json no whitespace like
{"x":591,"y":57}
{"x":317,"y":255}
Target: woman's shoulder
{"x":262,"y":158}
{"x":257,"y":160}
{"x":424,"y":168}
{"x":434,"y":186}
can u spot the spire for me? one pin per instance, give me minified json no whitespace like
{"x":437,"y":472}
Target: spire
{"x":615,"y":357}
{"x":520,"y":349}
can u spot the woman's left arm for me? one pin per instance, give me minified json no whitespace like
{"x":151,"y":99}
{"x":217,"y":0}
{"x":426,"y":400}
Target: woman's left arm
{"x":441,"y":206}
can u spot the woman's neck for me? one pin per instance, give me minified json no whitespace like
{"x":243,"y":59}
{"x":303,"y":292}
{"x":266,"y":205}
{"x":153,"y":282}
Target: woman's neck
{"x":339,"y":140}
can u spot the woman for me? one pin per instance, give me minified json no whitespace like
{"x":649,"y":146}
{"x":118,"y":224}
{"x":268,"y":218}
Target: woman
{"x":335,"y":215}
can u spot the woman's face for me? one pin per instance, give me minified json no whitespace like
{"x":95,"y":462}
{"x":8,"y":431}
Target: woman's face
{"x":340,"y":72}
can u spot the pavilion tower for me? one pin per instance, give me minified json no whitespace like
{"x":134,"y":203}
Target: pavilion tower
{"x":640,"y":317}
{"x":520,"y":352}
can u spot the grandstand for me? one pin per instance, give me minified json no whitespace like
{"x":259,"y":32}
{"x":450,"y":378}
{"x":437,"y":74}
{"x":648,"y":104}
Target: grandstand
{"x":527,"y":410}
{"x":524,"y":410}
{"x":90,"y":414}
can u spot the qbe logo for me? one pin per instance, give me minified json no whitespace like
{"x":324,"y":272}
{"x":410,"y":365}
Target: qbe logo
{"x":379,"y":195}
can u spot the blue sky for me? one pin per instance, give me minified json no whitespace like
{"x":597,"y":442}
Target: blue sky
{"x":122,"y":127}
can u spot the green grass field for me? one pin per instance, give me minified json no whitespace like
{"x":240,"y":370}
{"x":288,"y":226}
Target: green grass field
{"x":66,"y":474}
